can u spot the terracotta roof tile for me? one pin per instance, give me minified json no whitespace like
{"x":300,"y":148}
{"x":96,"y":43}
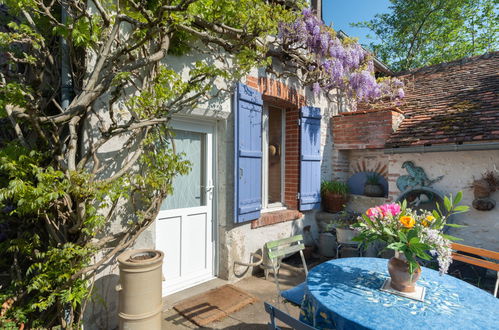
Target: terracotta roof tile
{"x":451,"y":102}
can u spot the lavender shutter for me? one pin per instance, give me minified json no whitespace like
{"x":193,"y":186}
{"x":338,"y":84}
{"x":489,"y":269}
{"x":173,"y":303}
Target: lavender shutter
{"x":248,"y":153}
{"x":310,"y":158}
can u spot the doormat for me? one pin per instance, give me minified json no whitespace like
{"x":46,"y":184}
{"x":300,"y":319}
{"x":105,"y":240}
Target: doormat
{"x":214,"y":305}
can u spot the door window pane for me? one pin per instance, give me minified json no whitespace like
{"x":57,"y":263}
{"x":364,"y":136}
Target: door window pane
{"x":188,"y":190}
{"x":274,"y":155}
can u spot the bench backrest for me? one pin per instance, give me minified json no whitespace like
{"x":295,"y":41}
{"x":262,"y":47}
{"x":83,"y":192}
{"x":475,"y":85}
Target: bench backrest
{"x":476,"y":251}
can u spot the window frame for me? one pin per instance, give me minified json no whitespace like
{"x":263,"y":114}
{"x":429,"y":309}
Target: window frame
{"x":277,"y":206}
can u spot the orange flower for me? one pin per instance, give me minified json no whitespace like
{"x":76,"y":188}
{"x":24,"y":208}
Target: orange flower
{"x":407,"y":221}
{"x":429,"y":218}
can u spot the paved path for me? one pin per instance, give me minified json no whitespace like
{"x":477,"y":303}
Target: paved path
{"x":250,"y":317}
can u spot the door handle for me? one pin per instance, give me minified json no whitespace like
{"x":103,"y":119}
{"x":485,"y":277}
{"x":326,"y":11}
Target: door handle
{"x":208,"y":188}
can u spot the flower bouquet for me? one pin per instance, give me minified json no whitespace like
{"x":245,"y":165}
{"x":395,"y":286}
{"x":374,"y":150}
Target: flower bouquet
{"x":412,"y":234}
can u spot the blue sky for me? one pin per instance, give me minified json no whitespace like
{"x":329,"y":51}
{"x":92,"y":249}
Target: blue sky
{"x":343,"y":12}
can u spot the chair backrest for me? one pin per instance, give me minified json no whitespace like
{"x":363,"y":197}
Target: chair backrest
{"x":276,"y":313}
{"x":286,"y":246}
{"x":475,"y":261}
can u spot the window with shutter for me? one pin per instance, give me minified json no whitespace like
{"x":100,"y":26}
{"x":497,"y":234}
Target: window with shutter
{"x":248,"y":153}
{"x":310,"y":158}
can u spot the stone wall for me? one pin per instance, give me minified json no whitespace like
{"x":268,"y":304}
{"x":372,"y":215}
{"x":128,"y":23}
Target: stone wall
{"x":459,"y":170}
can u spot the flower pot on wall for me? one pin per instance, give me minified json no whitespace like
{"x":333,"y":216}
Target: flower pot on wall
{"x":333,"y":202}
{"x":373,"y":190}
{"x":481,"y":189}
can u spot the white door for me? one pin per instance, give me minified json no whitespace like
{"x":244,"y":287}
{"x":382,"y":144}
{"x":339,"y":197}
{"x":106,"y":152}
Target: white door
{"x":184,"y":227}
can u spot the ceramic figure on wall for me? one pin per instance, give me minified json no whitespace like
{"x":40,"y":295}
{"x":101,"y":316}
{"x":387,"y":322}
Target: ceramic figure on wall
{"x":416,"y":177}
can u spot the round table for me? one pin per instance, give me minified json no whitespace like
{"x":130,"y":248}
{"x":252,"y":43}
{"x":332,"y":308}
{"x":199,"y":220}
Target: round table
{"x":345,"y":294}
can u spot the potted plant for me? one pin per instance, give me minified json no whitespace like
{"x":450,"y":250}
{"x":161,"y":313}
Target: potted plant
{"x":372,"y":187}
{"x":411,"y":235}
{"x":482,"y":189}
{"x":344,"y":231}
{"x":334,"y":195}
{"x":337,"y":225}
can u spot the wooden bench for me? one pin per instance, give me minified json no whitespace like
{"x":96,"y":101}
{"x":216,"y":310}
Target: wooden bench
{"x":456,"y":255}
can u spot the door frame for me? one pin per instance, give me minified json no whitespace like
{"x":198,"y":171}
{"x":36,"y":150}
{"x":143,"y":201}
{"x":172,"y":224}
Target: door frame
{"x":208,"y":126}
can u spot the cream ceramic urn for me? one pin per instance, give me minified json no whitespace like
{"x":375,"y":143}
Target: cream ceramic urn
{"x":140,"y":298}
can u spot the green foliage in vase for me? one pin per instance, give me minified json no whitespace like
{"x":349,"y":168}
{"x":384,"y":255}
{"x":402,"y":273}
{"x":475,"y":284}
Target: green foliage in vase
{"x":426,"y":32}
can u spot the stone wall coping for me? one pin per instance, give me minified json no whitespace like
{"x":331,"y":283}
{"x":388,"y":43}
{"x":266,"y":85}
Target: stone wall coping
{"x":270,"y":218}
{"x":360,"y":112}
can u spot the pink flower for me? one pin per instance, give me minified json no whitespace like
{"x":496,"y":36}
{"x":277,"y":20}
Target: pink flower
{"x":373,"y":212}
{"x":391,"y":209}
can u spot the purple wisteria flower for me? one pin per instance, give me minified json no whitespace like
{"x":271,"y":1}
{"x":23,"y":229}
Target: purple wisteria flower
{"x":341,"y":64}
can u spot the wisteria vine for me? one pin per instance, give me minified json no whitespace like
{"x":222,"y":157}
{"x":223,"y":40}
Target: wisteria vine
{"x":333,"y":63}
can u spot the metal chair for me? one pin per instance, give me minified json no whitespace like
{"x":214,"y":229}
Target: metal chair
{"x":285,"y":318}
{"x":276,"y":250}
{"x":344,"y":240}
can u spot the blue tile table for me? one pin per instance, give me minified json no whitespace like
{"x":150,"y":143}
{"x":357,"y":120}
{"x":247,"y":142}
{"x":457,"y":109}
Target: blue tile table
{"x":345,"y":294}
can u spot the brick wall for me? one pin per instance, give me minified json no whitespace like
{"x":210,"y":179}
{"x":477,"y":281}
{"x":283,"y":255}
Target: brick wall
{"x":364,"y":129}
{"x":290,"y":100}
{"x":292,"y":166}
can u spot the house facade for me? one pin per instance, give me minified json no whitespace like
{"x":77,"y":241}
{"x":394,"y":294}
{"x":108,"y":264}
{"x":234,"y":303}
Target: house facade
{"x":257,"y":163}
{"x":258,"y":152}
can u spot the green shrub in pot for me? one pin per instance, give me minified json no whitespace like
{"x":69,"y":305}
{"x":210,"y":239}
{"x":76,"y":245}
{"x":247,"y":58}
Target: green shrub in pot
{"x":334,"y":195}
{"x":372,"y":187}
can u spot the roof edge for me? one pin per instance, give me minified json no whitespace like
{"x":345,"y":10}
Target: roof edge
{"x":445,"y":65}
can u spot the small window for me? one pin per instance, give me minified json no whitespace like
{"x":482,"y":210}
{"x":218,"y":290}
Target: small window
{"x":273,"y":158}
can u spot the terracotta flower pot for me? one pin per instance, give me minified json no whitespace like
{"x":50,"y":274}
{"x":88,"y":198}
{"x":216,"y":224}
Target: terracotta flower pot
{"x":401,"y":279}
{"x":334,"y":202}
{"x":481,"y":189}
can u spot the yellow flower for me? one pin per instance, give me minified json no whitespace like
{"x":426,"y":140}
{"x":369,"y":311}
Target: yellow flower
{"x":429,"y":218}
{"x":407,"y":221}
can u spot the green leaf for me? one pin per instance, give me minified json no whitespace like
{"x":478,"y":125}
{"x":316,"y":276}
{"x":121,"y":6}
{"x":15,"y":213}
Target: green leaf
{"x":451,"y":238}
{"x":414,"y":240}
{"x":397,"y":246}
{"x":402,"y":236}
{"x":455,"y":225}
{"x":447,"y":203}
{"x":366,"y":219}
{"x":461,"y":208}
{"x":424,"y":255}
{"x":413,"y":233}
{"x":458,"y":198}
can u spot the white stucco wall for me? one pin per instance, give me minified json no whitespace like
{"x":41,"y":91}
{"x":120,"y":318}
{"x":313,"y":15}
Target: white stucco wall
{"x":459,"y":170}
